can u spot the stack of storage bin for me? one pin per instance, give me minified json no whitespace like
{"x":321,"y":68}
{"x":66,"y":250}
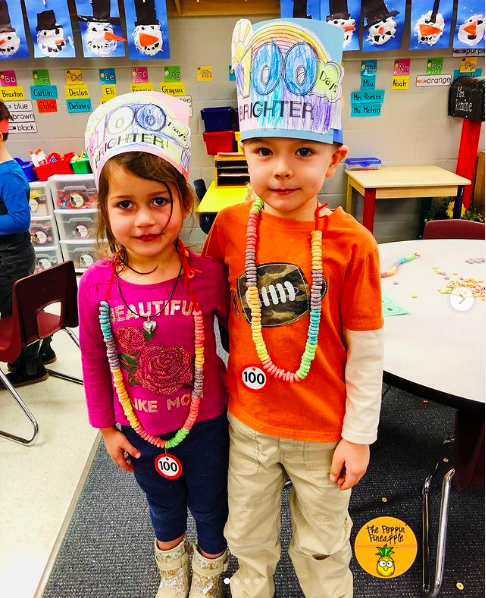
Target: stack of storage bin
{"x":218,"y":122}
{"x":43,"y":228}
{"x":75,"y":198}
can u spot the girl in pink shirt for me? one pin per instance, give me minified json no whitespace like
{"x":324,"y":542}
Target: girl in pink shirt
{"x":147,"y":338}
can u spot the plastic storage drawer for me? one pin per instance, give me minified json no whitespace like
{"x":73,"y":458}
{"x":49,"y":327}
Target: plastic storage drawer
{"x":77,"y":225}
{"x":73,"y":192}
{"x":82,"y":253}
{"x":46,"y":257}
{"x":40,"y":201}
{"x":43,"y":231}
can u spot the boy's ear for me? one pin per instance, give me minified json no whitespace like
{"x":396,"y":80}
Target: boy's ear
{"x":337,"y":157}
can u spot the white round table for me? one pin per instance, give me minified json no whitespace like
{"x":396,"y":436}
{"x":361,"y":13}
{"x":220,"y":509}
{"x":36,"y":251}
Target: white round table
{"x":434,"y":351}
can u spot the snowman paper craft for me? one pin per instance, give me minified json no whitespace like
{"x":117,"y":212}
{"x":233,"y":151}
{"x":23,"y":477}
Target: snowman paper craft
{"x":430,"y":26}
{"x":50,"y":35}
{"x":9,"y":40}
{"x":100,"y":37}
{"x":147,"y":35}
{"x":471,"y":32}
{"x":380,"y":23}
{"x":340,"y":17}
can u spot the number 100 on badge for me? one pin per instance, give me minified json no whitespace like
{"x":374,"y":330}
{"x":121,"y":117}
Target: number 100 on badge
{"x":254,"y":378}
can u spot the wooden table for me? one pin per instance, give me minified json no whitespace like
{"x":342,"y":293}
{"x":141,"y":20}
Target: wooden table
{"x":401,"y":182}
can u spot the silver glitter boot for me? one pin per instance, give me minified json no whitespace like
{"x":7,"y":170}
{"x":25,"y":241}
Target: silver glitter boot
{"x":174,"y":571}
{"x":206,"y":575}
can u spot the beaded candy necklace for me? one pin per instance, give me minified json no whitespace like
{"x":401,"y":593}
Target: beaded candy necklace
{"x":117,"y":375}
{"x":255,"y":305}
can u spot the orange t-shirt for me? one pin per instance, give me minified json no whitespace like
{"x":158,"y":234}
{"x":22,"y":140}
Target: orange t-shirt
{"x":314,"y":408}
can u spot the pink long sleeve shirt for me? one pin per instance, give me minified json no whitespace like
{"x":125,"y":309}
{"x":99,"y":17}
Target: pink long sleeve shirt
{"x":158,"y":371}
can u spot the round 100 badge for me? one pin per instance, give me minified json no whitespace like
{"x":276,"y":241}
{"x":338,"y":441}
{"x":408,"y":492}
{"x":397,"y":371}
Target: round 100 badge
{"x":168,"y":466}
{"x":254,"y":378}
{"x":385,"y":547}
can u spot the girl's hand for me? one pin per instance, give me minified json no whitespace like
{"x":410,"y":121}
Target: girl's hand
{"x":119,"y":448}
{"x":349,"y":463}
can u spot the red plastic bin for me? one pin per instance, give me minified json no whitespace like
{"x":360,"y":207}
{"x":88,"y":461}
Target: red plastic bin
{"x":61,"y":165}
{"x":45,"y":171}
{"x":219,"y":141}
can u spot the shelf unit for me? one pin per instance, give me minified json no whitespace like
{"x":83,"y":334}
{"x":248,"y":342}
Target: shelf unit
{"x":43,"y":229}
{"x":230,"y":170}
{"x":74,"y":199}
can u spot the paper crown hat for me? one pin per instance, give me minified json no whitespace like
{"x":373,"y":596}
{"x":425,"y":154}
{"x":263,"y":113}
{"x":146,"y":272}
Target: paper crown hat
{"x":288,"y":78}
{"x":143,"y":121}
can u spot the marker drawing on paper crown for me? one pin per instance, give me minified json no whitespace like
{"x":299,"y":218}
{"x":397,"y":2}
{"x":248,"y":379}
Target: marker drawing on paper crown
{"x":286,"y":78}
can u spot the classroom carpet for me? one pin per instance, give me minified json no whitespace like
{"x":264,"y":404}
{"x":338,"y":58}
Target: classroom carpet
{"x":107,"y":549}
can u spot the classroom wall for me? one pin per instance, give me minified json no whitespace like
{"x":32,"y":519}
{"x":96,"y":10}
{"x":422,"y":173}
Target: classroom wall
{"x":413,"y":127}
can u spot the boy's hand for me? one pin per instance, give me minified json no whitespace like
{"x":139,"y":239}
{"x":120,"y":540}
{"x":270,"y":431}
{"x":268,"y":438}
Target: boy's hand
{"x":349,"y":463}
{"x":119,"y":448}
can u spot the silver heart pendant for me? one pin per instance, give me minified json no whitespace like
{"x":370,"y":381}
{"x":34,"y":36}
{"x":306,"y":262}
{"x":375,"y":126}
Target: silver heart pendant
{"x":149,"y":326}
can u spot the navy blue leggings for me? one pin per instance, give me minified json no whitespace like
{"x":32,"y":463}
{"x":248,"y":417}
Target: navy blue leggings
{"x":202,"y":486}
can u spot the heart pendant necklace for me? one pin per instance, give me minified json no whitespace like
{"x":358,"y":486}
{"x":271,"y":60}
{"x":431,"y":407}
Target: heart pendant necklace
{"x":149,"y":325}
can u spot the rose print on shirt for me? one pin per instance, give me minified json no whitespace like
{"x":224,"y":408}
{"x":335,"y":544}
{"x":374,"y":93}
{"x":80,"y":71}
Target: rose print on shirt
{"x":160,"y":369}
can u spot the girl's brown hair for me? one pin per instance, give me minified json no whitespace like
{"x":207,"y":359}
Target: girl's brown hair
{"x":146,"y":166}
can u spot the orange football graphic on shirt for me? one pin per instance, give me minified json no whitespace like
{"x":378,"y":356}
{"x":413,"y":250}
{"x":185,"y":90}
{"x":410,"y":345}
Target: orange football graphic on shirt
{"x":284,"y":293}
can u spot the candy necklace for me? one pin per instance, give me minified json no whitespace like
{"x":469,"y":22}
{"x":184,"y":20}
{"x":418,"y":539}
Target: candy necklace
{"x":165,"y":460}
{"x":255,"y":305}
{"x":403,"y":260}
{"x":149,"y":325}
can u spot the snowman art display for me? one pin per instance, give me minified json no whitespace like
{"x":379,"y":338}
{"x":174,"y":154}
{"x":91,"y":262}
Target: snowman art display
{"x":50,"y":35}
{"x":471,"y":32}
{"x":100,"y":37}
{"x":147,"y":35}
{"x":9,"y":40}
{"x":341,"y":18}
{"x":430,"y":26}
{"x":380,"y":23}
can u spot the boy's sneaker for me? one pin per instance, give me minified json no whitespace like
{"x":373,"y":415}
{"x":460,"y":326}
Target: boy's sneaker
{"x":206,"y":575}
{"x":47,"y":356}
{"x":20,"y":377}
{"x":174,"y":571}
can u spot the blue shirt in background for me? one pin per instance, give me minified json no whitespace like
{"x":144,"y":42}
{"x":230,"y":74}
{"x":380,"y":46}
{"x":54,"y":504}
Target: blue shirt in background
{"x":14,"y":199}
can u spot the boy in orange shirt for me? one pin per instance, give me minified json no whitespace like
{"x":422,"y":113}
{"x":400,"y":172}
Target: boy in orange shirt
{"x":296,"y":269}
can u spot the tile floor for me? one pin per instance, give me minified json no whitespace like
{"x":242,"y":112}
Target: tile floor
{"x":38,"y":482}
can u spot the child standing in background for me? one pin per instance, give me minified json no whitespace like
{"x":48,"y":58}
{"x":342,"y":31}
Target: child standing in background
{"x":147,"y":338}
{"x":17,"y":256}
{"x":306,"y":344}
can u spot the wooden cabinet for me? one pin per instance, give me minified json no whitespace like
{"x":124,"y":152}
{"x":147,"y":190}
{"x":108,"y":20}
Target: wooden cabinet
{"x":221,"y":8}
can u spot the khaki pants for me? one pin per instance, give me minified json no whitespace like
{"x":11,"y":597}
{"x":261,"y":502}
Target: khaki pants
{"x":320,"y":548}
